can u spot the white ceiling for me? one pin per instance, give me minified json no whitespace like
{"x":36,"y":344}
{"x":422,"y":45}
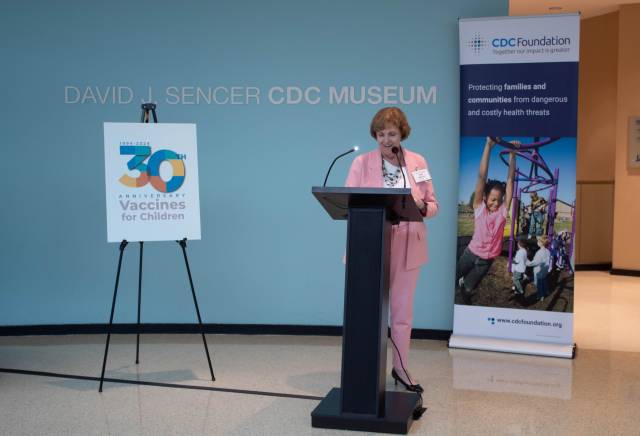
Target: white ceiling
{"x":587,"y":8}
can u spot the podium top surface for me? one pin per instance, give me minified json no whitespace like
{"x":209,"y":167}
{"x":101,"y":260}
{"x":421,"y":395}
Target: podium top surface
{"x":398,"y":201}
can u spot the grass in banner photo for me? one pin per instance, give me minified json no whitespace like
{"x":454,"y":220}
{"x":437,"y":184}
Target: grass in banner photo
{"x":516,"y":223}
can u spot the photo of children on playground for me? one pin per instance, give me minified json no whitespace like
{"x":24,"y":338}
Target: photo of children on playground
{"x":516,"y":223}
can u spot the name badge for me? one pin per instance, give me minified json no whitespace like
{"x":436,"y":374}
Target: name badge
{"x":421,"y":175}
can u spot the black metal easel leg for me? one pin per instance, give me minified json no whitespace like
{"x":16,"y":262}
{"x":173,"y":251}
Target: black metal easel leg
{"x":146,"y":109}
{"x":123,"y":244}
{"x":139,"y":303}
{"x":183,"y":244}
{"x":144,"y":118}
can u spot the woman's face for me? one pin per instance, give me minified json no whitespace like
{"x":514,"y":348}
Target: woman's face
{"x":388,"y":138}
{"x":494,"y":200}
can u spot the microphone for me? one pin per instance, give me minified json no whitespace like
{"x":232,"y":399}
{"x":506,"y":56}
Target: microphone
{"x":395,"y":150}
{"x":355,"y":148}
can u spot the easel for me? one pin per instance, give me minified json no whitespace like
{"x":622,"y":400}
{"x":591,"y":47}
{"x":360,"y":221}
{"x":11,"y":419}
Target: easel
{"x":148,"y":110}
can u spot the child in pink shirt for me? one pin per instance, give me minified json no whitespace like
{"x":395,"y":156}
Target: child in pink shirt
{"x":490,"y":216}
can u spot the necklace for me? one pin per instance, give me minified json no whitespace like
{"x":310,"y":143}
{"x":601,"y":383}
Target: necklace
{"x":391,"y":179}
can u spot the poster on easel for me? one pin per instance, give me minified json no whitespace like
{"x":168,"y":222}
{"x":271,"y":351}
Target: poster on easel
{"x":151,"y":178}
{"x":514,"y":284}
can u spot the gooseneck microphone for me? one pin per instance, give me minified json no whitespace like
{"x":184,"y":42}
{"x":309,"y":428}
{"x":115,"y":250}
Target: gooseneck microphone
{"x":334,"y":161}
{"x":395,"y":150}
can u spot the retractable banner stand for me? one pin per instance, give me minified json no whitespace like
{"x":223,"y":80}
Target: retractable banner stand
{"x":516,"y":202}
{"x":151,"y":176}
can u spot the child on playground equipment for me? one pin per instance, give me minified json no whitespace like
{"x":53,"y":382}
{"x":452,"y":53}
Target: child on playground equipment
{"x":538,"y":208}
{"x":541,"y":264}
{"x":490,"y":216}
{"x":560,"y":252}
{"x":519,"y":267}
{"x":524,"y":219}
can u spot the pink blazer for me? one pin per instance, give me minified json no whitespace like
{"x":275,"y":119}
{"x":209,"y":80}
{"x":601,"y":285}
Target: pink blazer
{"x":366,"y":172}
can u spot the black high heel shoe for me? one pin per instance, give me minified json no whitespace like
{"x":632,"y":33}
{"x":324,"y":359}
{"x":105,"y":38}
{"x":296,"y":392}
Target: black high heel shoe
{"x":411,"y":388}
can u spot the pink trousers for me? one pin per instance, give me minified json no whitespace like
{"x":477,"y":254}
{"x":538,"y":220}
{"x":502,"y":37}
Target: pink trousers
{"x":402,"y":287}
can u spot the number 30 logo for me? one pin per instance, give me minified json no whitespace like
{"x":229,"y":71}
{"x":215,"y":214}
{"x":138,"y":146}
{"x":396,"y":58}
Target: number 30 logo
{"x":150,"y":172}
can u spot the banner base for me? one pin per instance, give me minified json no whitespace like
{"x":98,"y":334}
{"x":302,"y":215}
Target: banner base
{"x":567,"y":351}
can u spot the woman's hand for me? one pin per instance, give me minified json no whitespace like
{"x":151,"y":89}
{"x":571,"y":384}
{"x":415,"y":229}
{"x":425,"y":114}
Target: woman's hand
{"x":421,"y":205}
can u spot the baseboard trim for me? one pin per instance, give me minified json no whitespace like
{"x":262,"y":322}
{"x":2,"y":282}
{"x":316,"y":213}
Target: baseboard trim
{"x":241,"y":329}
{"x":438,"y":335}
{"x":625,"y":272}
{"x":593,"y":267}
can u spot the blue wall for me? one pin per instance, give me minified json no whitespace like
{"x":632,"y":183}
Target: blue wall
{"x":262,"y":258}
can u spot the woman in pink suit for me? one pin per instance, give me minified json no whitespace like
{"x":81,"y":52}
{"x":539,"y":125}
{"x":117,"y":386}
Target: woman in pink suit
{"x":384,"y":168}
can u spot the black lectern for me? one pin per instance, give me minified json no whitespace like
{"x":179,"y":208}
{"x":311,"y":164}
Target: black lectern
{"x":361,"y":402}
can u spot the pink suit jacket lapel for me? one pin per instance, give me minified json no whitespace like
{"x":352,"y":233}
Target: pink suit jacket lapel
{"x":412,"y":165}
{"x":374,"y":164}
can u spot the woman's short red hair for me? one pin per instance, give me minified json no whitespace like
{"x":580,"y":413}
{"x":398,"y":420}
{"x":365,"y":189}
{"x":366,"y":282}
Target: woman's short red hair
{"x":390,"y":116}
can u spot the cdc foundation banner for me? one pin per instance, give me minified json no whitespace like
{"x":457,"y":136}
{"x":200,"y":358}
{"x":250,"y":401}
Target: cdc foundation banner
{"x":514,"y":283}
{"x":151,"y":177}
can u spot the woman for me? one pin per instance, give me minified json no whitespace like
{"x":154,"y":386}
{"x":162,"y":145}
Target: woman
{"x":384,"y":168}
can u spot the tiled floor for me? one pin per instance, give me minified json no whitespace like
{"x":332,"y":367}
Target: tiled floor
{"x":467,"y":392}
{"x":607,"y":312}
